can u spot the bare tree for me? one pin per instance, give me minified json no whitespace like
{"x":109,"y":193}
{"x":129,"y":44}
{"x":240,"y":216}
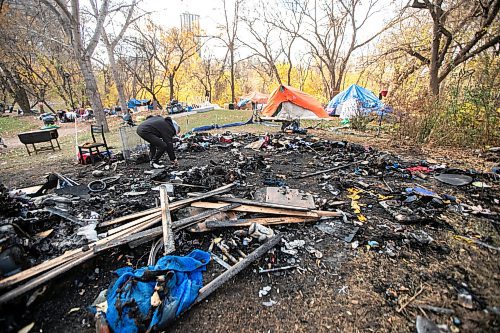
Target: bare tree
{"x":461,"y":30}
{"x":143,"y":67}
{"x":13,"y":84}
{"x":35,"y":64}
{"x":331,"y":30}
{"x":70,"y":19}
{"x":229,"y":38}
{"x":265,"y":38}
{"x":274,"y":46}
{"x":211,"y":69}
{"x":170,"y":49}
{"x":111,"y":41}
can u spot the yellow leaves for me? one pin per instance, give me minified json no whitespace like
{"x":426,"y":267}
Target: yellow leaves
{"x":382,"y":197}
{"x":354,"y":195}
{"x":355,"y":205}
{"x":361,"y":218}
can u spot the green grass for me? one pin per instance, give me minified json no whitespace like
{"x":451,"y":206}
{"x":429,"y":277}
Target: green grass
{"x":219,"y":117}
{"x":11,"y":125}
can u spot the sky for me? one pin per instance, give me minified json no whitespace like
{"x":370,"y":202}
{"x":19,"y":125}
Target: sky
{"x":167,"y":13}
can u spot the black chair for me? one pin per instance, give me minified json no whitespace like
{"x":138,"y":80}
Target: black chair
{"x":89,"y":147}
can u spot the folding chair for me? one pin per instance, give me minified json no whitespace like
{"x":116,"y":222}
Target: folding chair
{"x":89,"y":147}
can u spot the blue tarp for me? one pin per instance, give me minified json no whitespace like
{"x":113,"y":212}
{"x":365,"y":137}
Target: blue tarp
{"x":243,"y":102}
{"x":137,"y":102}
{"x":367,"y":99}
{"x":129,"y":300}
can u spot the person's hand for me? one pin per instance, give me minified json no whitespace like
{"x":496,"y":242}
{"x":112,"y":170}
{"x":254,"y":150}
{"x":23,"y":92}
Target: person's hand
{"x":175,"y":163}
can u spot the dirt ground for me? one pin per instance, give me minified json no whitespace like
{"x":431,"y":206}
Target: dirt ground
{"x":350,"y":289}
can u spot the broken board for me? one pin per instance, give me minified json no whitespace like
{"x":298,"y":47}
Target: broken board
{"x":283,"y":196}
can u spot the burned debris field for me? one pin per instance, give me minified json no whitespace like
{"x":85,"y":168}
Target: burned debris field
{"x":322,"y":235}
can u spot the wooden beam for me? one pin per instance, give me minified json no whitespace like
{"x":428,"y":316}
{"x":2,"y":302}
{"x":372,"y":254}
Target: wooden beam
{"x":210,"y":225}
{"x":166,"y":222}
{"x":128,"y":217}
{"x":258,"y":203}
{"x":266,"y":210}
{"x":45,"y":277}
{"x":133,"y":223}
{"x":157,"y":231}
{"x":173,"y":206}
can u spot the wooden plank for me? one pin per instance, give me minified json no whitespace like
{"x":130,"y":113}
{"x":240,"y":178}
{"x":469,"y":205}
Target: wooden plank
{"x":184,"y":223}
{"x":210,"y":225}
{"x":259,"y":203}
{"x":155,"y":232}
{"x":128,"y":217}
{"x":133,"y":223}
{"x":166,"y":222}
{"x":79,"y":258}
{"x":68,"y":256}
{"x":150,"y":233}
{"x":236,"y":268}
{"x":45,"y":277}
{"x":265,"y":210}
{"x":173,"y":206}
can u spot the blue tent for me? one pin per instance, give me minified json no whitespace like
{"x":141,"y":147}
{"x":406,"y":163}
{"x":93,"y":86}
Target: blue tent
{"x":137,"y":102}
{"x":367,"y":99}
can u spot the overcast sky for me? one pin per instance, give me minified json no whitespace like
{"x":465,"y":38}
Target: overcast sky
{"x":211,"y":14}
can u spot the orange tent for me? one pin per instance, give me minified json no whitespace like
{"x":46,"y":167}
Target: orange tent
{"x":285,"y":97}
{"x":256,"y":97}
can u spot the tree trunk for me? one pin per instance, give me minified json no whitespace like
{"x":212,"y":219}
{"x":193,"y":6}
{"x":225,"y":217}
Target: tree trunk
{"x":434,"y":65}
{"x":14,"y":84}
{"x":92,"y":91}
{"x":22,"y":99}
{"x":171,"y":86}
{"x":122,"y":100}
{"x":232,"y":71}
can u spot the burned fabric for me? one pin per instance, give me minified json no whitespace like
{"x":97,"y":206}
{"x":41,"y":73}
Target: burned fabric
{"x":129,"y":300}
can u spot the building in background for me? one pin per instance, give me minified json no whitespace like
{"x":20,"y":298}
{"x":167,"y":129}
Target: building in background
{"x":191,"y":23}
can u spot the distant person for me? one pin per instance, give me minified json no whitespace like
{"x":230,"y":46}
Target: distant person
{"x":2,"y":145}
{"x":159,"y":132}
{"x":70,"y":117}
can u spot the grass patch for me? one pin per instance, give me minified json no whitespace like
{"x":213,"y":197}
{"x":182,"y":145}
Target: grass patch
{"x":11,"y":125}
{"x":219,"y":117}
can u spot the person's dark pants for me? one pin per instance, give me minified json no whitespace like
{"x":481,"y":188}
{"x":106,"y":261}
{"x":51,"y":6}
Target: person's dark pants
{"x":157,"y":146}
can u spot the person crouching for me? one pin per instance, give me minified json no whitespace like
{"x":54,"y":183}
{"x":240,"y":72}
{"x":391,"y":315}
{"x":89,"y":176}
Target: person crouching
{"x":159,"y":132}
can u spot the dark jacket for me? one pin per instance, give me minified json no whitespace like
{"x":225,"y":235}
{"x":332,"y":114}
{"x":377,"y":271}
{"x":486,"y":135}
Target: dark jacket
{"x":159,"y":127}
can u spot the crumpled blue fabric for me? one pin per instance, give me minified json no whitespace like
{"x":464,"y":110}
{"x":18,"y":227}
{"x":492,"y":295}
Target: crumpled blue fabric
{"x":421,"y":191}
{"x":183,"y":287}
